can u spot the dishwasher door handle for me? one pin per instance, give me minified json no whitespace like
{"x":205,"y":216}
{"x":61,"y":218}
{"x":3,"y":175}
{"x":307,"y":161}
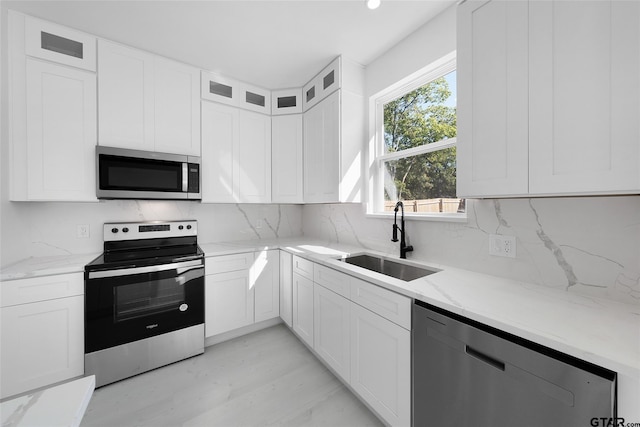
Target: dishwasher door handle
{"x":484,"y":358}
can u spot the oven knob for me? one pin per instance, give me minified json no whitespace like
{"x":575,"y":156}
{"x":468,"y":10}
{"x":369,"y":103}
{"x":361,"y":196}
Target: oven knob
{"x":180,"y":227}
{"x":114,"y":230}
{"x":125,"y":230}
{"x":183,"y":307}
{"x":188,"y":227}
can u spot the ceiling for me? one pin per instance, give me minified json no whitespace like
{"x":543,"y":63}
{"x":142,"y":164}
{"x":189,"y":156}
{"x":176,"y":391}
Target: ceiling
{"x":273,"y":44}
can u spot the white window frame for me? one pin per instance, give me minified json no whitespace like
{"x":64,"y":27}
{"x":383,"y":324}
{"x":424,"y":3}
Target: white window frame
{"x":376,"y":154}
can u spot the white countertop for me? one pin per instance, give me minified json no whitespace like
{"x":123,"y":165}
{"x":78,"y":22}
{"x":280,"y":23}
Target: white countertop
{"x":603,"y":332}
{"x":62,"y":405}
{"x":46,"y":266}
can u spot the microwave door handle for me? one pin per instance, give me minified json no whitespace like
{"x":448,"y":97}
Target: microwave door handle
{"x":185,"y":177}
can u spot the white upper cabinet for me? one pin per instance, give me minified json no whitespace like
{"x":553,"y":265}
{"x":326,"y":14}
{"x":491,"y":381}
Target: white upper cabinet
{"x":219,"y":153}
{"x":549,"y":98}
{"x":147,"y":102}
{"x":287,"y":159}
{"x":492,"y":102}
{"x":584,"y":97}
{"x":233,"y":92}
{"x":52,"y":119}
{"x":176,"y":107}
{"x":286,"y":101}
{"x":321,"y":151}
{"x":323,"y":84}
{"x":254,"y":158}
{"x":125,"y":88}
{"x":334,"y":136}
{"x":236,"y":155}
{"x":56,"y":43}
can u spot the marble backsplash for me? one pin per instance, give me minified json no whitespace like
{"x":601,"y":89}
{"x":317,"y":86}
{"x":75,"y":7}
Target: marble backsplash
{"x":48,"y":229}
{"x":589,"y":245}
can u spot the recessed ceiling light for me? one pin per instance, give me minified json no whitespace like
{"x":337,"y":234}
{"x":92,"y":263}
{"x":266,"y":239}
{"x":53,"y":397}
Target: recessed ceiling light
{"x":373,"y":4}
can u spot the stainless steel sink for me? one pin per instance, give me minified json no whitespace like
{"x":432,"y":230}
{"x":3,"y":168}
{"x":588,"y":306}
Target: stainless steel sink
{"x":388,"y":267}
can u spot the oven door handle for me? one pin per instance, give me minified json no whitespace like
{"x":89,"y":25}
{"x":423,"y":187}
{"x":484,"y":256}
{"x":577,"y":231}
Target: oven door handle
{"x":189,"y":265}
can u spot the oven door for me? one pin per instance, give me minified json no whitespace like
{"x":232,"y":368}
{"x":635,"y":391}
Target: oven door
{"x":126,"y":305}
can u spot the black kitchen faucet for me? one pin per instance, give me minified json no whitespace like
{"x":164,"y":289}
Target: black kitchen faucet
{"x":403,"y":244}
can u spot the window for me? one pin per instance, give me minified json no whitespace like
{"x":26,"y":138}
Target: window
{"x":414,"y":153}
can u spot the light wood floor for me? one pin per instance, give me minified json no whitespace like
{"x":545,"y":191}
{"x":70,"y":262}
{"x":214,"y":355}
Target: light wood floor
{"x":264,"y":378}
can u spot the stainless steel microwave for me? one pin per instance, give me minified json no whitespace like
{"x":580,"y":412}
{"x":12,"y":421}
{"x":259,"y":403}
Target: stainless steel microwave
{"x":135,"y":174}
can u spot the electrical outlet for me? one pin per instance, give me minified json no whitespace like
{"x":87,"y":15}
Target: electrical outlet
{"x":258,"y":224}
{"x":82,"y":231}
{"x":500,"y":245}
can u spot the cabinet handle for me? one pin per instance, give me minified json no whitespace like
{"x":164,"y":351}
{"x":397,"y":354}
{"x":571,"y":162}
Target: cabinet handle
{"x":484,"y":358}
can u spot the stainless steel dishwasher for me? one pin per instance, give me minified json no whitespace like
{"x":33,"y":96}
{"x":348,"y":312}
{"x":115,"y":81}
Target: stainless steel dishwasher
{"x":469,"y":374}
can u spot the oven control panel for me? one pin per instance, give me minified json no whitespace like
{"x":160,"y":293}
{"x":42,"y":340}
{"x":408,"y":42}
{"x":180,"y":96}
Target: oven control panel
{"x":117,"y":231}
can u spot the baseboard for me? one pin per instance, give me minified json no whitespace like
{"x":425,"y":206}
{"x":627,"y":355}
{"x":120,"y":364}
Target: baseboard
{"x":226,"y":336}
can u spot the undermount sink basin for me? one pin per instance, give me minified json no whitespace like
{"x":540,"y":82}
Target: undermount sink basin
{"x":388,"y":267}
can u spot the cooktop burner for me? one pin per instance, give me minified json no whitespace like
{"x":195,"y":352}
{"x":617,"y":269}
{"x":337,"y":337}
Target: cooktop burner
{"x":147,"y":243}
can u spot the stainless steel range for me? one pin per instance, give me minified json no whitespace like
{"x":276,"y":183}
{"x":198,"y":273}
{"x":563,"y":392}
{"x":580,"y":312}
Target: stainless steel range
{"x":144,"y":299}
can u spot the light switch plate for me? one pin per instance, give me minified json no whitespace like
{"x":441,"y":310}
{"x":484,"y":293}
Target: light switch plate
{"x":500,"y":245}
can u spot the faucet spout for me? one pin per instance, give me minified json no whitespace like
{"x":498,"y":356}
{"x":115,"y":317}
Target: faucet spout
{"x":403,"y":244}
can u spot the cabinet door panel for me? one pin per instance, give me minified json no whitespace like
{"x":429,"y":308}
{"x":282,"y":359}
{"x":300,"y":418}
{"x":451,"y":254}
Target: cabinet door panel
{"x":287,"y":160}
{"x":219,"y":153}
{"x":125,"y":88}
{"x":381,"y":365}
{"x":286,"y":288}
{"x":492,"y":72}
{"x":322,"y":151}
{"x":42,"y":343}
{"x":254,"y":157}
{"x":584,"y":96}
{"x":331,"y":333}
{"x":177,"y":107}
{"x":266,"y":273}
{"x":303,"y":308}
{"x":229,"y":302}
{"x":61,"y":132}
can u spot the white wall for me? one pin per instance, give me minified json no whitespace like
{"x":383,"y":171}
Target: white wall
{"x":589,"y":245}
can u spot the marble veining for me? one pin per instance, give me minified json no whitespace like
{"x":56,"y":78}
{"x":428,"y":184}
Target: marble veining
{"x":586,"y":245}
{"x":50,"y":229}
{"x":555,"y":250}
{"x":246,"y":217}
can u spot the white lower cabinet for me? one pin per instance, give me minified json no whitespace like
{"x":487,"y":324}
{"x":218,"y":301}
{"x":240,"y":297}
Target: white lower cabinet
{"x":240,"y":290}
{"x":303,"y":308}
{"x":42,"y":341}
{"x":331,"y":335}
{"x":228,"y":302}
{"x":381,"y":365}
{"x":286,"y":288}
{"x":361,"y":331}
{"x":266,"y":278}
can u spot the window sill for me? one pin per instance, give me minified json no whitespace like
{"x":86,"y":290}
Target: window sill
{"x":453,"y":217}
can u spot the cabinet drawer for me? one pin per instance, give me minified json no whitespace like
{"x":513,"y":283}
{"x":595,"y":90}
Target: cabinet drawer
{"x":388,"y":304}
{"x":59,"y":44}
{"x":332,"y":280}
{"x":303,"y":267}
{"x":226,"y":263}
{"x":23,"y":291}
